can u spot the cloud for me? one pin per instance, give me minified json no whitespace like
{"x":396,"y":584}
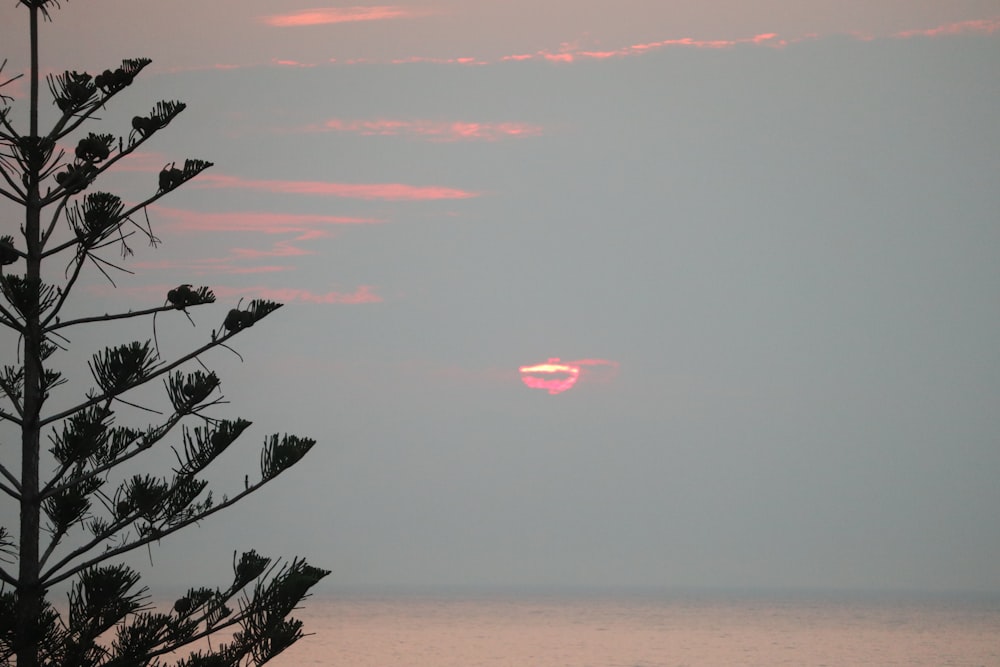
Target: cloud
{"x":291,"y":63}
{"x":573,"y":52}
{"x":279,"y":249}
{"x":328,"y":15}
{"x":208,"y":266}
{"x":433,"y":130}
{"x":301,"y":228}
{"x":569,"y":53}
{"x":368,"y":191}
{"x":141,"y":161}
{"x":987,"y":26}
{"x":461,"y":60}
{"x":264,"y":223}
{"x":362,"y":294}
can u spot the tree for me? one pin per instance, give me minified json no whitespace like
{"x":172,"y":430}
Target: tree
{"x":79,"y":520}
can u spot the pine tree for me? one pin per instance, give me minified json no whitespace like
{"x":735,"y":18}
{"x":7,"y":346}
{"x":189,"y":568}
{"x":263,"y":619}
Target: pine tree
{"x":80,"y":512}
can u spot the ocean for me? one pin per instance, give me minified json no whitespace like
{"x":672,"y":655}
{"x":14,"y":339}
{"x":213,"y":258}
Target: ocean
{"x":637,"y":630}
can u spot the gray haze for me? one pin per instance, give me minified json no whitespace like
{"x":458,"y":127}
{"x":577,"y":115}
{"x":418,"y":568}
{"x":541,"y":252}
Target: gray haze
{"x":791,"y":255}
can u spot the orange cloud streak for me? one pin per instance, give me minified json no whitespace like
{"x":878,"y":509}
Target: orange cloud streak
{"x":327,"y":15}
{"x":434,"y":130}
{"x":369,"y":191}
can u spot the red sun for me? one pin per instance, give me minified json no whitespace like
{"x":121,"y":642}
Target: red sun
{"x":555,"y":376}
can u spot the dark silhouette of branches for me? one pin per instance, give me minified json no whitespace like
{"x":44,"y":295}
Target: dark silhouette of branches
{"x":79,"y":519}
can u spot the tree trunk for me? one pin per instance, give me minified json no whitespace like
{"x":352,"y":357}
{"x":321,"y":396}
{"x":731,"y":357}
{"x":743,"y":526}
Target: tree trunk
{"x":29,"y":594}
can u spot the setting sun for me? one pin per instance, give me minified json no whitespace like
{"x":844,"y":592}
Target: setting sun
{"x":553,"y":376}
{"x":556,"y":376}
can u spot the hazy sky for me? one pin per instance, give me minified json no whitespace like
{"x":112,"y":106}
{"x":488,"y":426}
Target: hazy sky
{"x":763,"y":233}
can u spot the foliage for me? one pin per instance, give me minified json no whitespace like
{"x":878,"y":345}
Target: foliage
{"x":78,"y":520}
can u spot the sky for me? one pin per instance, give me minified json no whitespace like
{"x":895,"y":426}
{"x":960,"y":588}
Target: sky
{"x":641,"y":293}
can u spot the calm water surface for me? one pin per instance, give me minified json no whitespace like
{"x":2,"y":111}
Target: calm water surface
{"x":645,"y":631}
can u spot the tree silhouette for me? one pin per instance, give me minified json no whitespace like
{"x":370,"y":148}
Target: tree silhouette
{"x":80,"y":512}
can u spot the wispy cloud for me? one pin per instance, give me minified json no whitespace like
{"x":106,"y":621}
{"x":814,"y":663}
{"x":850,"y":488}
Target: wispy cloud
{"x":208,"y":266}
{"x":433,"y":130}
{"x":302,"y":228}
{"x":142,"y":161}
{"x":575,"y":52}
{"x":264,"y":223}
{"x":983,"y":26}
{"x":284,"y":62}
{"x":362,"y":294}
{"x":569,"y":52}
{"x":369,"y":191}
{"x":279,"y":249}
{"x":328,"y":15}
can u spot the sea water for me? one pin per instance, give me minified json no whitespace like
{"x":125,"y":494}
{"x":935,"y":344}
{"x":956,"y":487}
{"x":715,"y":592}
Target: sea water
{"x":646,"y":631}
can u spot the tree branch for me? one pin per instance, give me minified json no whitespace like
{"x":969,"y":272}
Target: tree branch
{"x":61,"y":129}
{"x":5,"y":416}
{"x":64,"y":292}
{"x":105,"y":165}
{"x":126,"y":215}
{"x":12,"y":491}
{"x":117,"y":316}
{"x":138,"y":383}
{"x":50,"y":578}
{"x":21,"y":198}
{"x":7,"y":319}
{"x":55,"y":218}
{"x":6,"y":194}
{"x":53,"y":543}
{"x":50,"y":489}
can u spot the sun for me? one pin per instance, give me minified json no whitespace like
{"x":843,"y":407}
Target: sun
{"x":554,"y":376}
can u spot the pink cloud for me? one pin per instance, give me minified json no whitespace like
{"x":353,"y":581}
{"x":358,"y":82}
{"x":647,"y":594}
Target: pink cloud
{"x":573,"y":53}
{"x":363,"y":294}
{"x":280,"y":249}
{"x":240,"y":270}
{"x":222,"y":67}
{"x":327,"y":15}
{"x":292,"y":63}
{"x":461,"y":60}
{"x":434,"y":130}
{"x":141,"y":161}
{"x":158,"y":293}
{"x":369,"y":191}
{"x":264,"y":223}
{"x":205,"y":267}
{"x":987,"y":26}
{"x":302,"y":228}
